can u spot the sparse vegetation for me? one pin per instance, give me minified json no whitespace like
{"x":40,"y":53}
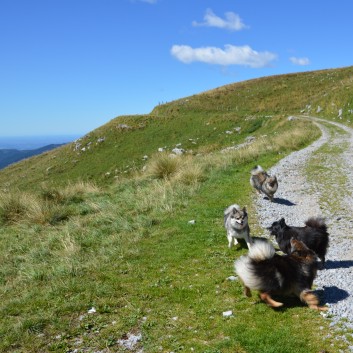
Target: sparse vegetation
{"x":126,"y":247}
{"x":51,"y":206}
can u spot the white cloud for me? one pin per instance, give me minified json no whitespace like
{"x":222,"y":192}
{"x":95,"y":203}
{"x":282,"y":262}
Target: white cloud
{"x":232,"y":21}
{"x":148,"y":1}
{"x":299,"y":61}
{"x":230,"y":55}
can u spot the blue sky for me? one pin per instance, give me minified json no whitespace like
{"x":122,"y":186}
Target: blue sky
{"x":70,"y":66}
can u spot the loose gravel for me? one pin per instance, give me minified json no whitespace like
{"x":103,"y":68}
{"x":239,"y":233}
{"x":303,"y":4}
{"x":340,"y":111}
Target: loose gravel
{"x":300,"y":197}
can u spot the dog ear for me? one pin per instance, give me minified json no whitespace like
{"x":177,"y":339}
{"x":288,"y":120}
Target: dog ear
{"x":282,"y":222}
{"x":244,"y":209}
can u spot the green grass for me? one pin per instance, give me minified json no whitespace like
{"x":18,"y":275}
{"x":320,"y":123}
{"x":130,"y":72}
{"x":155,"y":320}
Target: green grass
{"x":146,"y":270}
{"x":125,"y":245}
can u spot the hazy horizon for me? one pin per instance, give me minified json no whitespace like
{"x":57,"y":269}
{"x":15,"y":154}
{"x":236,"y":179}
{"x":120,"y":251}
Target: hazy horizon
{"x":32,"y":142}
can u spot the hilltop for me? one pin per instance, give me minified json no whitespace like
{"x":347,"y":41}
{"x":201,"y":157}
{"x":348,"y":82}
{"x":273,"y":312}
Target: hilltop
{"x":197,"y":123}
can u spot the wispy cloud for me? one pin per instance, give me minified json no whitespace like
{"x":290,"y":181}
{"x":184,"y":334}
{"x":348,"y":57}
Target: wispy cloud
{"x":230,"y":55}
{"x":299,"y":61}
{"x":148,"y":1}
{"x":232,"y":21}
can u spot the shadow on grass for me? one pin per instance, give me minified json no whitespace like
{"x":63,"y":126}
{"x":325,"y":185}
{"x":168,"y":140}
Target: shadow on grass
{"x":241,"y":245}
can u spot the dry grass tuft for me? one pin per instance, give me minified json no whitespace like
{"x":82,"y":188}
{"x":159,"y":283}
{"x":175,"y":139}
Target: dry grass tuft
{"x":191,"y":172}
{"x":70,"y":193}
{"x":51,"y":206}
{"x":82,"y":187}
{"x":17,"y":205}
{"x":163,"y":166}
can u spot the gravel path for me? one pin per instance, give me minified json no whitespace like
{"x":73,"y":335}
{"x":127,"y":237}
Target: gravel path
{"x":329,"y":194}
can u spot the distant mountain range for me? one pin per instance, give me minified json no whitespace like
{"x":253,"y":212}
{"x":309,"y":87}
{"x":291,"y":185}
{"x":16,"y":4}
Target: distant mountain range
{"x":9,"y":156}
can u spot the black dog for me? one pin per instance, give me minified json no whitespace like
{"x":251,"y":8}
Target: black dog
{"x":272,"y":274}
{"x":314,"y":235}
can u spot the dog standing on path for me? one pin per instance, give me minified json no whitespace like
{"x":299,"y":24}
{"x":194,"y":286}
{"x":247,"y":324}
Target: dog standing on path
{"x":263,"y":182}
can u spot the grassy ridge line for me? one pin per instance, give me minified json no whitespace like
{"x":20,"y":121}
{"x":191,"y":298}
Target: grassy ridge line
{"x":201,"y":119}
{"x":134,"y":257}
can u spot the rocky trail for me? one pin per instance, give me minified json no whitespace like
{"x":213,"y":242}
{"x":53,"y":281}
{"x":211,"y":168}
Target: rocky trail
{"x":318,"y":181}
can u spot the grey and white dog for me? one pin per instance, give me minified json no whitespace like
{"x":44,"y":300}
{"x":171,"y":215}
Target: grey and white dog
{"x":263,"y":182}
{"x":236,"y":224}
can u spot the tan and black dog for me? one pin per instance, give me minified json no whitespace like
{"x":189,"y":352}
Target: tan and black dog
{"x":272,"y":274}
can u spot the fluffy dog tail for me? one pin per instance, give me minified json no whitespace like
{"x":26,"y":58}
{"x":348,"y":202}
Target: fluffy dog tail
{"x":257,"y":170}
{"x":261,"y":250}
{"x":318,"y":223}
{"x":245,"y":266}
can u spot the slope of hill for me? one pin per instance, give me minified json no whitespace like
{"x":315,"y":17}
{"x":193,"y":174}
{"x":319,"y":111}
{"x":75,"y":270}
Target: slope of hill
{"x":199,"y":123}
{"x":108,"y":245}
{"x":9,"y":156}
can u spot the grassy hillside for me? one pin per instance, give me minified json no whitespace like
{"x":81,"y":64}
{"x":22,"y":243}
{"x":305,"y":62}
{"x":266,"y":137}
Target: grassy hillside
{"x":199,"y":123}
{"x":83,"y":229}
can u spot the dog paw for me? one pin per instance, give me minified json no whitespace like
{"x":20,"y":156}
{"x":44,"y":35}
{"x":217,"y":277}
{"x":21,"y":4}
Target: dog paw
{"x":312,"y":301}
{"x":322,"y":308}
{"x":269,"y":301}
{"x":247,"y":292}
